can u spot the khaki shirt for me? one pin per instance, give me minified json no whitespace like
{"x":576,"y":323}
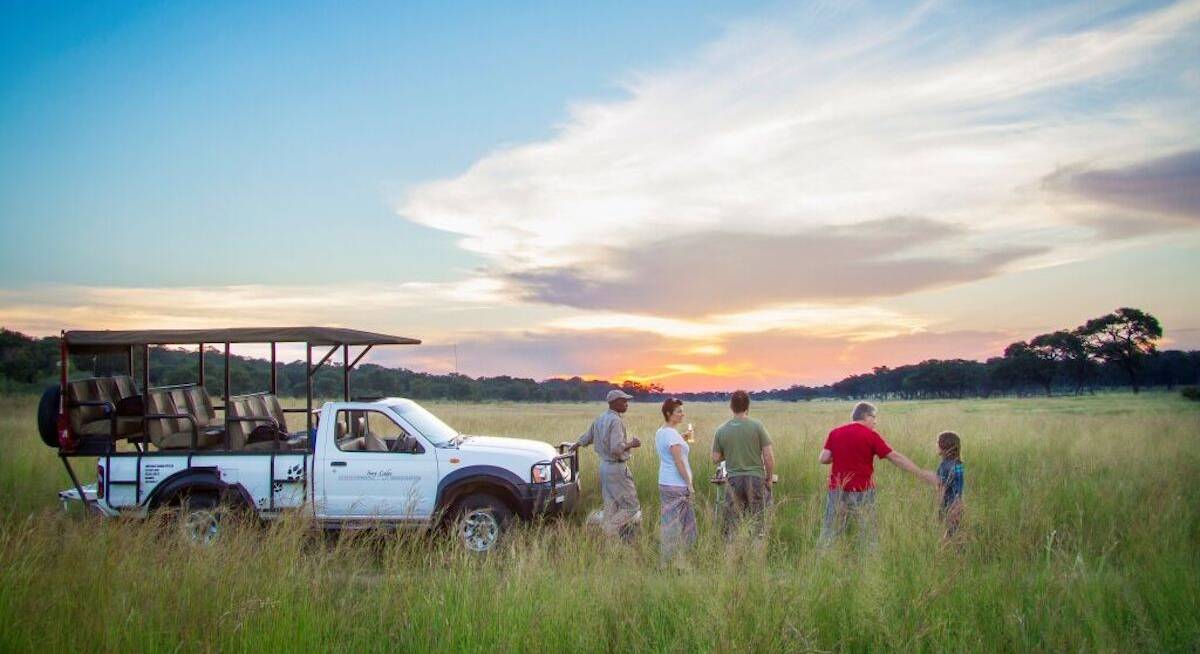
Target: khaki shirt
{"x":607,"y":434}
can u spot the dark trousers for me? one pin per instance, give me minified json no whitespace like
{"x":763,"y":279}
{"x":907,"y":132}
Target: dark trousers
{"x":745,"y":497}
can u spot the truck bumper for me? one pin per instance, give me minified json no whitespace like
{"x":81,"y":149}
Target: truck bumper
{"x":542,"y":500}
{"x":90,"y":502}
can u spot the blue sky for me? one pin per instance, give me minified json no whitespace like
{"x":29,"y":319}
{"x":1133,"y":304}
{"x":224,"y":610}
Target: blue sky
{"x":280,"y":124}
{"x":677,"y":191}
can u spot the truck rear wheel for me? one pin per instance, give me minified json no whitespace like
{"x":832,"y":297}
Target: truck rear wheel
{"x":200,"y":518}
{"x":47,"y":416}
{"x":480,"y":522}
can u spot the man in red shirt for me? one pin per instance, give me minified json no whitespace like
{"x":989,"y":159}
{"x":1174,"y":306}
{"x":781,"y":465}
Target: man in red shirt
{"x":852,"y":449}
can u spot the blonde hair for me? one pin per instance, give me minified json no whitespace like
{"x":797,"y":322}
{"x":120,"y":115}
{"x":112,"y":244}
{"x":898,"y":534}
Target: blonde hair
{"x":862,"y":410}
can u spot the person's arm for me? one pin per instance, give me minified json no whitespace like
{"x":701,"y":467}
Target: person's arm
{"x":680,"y":465}
{"x":902,"y":462}
{"x":826,"y":455}
{"x":587,"y":438}
{"x":617,"y":442}
{"x":768,"y":455}
{"x":718,"y":455}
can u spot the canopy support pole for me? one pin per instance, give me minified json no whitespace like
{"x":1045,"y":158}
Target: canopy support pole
{"x":308,"y":384}
{"x":345,"y":373}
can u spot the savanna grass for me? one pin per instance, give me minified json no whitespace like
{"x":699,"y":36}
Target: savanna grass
{"x":1081,"y":534}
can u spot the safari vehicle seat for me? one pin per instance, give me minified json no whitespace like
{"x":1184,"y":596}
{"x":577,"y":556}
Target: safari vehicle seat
{"x":366,"y":443}
{"x":200,"y":405}
{"x":248,"y":413}
{"x":90,"y":417}
{"x":275,"y":410}
{"x":176,"y":432}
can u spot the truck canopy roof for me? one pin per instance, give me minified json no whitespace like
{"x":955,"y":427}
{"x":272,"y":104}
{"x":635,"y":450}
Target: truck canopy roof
{"x":90,"y":342}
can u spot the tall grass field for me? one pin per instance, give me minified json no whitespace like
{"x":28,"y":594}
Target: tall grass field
{"x":1081,"y":534}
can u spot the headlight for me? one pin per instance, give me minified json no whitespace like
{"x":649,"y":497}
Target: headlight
{"x":541,"y":473}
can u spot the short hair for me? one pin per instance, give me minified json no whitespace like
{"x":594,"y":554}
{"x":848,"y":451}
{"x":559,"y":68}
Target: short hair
{"x":862,"y":410}
{"x":668,"y":407}
{"x":740,"y":402}
{"x":950,"y":445}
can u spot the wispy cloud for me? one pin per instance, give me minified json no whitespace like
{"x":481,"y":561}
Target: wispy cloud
{"x":784,"y":135}
{"x":50,"y":308}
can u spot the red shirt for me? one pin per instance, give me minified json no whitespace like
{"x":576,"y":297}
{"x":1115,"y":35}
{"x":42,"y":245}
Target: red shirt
{"x":854,"y":447}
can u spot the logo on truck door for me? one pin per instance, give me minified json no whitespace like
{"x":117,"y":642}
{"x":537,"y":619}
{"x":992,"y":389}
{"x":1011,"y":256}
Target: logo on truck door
{"x":377,"y":475}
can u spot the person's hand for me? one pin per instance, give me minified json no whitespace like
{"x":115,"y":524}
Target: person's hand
{"x":691,"y":490}
{"x":930,"y":478}
{"x":633,"y":443}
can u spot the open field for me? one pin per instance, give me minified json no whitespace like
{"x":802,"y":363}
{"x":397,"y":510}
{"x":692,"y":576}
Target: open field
{"x":1082,"y":534}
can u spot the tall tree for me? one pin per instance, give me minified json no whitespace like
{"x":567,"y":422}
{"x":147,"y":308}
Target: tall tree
{"x":1123,"y":338}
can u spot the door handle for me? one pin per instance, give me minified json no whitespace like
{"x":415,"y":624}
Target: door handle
{"x":337,"y":464}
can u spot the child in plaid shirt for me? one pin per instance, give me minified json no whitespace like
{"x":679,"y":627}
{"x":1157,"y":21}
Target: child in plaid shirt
{"x":950,"y":478}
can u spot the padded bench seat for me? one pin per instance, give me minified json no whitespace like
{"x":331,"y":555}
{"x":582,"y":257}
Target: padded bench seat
{"x":92,"y":402}
{"x":175,"y":432}
{"x":254,"y":421}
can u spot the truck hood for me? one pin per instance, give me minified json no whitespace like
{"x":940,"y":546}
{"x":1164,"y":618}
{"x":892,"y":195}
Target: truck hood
{"x":495,"y":444}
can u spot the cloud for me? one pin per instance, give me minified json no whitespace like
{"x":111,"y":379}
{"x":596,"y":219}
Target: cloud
{"x":758,"y":155}
{"x":1168,"y":185}
{"x":48,"y":309}
{"x":723,"y":272}
{"x":856,"y":322}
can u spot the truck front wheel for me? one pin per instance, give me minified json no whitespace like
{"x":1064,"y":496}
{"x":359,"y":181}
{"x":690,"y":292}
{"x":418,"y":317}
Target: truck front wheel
{"x":480,"y":521}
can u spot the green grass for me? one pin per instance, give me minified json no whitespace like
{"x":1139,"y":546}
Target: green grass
{"x":1081,"y":534}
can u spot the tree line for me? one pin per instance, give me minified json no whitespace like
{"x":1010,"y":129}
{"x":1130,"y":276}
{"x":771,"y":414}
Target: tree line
{"x":1117,"y":350}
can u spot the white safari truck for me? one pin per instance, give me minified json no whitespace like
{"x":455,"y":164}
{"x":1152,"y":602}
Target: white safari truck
{"x":357,"y":463}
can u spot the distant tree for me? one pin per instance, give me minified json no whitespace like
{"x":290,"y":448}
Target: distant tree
{"x":1034,"y":365}
{"x":1123,"y":338}
{"x":1069,"y":352}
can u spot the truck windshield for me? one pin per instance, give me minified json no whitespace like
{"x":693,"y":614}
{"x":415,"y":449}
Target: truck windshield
{"x":430,"y":426}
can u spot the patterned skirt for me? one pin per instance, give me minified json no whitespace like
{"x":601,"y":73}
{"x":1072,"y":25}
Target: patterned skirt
{"x":678,"y":521}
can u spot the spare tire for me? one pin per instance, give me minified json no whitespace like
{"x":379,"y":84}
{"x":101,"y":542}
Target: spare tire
{"x":47,"y":416}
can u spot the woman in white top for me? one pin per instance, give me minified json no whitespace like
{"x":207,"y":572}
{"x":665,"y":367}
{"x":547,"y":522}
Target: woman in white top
{"x":675,"y":488}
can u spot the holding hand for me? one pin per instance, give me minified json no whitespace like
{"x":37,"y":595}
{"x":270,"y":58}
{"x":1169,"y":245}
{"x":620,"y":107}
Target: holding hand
{"x":930,"y":478}
{"x":633,"y":443}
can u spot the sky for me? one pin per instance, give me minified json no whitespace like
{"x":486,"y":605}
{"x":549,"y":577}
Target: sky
{"x":707,"y":195}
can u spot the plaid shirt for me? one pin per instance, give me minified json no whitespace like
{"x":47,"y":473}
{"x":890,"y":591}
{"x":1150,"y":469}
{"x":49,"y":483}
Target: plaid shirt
{"x":950,"y":474}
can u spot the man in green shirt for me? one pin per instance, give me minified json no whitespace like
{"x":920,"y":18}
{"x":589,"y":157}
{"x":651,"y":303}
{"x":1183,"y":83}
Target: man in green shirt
{"x":743,"y":444}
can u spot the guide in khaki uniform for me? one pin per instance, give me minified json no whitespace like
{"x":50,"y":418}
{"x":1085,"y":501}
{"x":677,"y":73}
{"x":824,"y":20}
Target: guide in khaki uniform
{"x":612,"y":445}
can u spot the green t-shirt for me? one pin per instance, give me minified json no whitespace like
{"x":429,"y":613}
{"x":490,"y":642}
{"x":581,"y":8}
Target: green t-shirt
{"x":741,"y":441}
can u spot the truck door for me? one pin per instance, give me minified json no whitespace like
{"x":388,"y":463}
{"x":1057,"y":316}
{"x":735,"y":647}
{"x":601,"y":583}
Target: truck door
{"x":374,"y":469}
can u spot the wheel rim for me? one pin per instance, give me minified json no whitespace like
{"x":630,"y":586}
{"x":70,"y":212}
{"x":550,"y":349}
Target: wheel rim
{"x":201,"y":526}
{"x":480,"y":530}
